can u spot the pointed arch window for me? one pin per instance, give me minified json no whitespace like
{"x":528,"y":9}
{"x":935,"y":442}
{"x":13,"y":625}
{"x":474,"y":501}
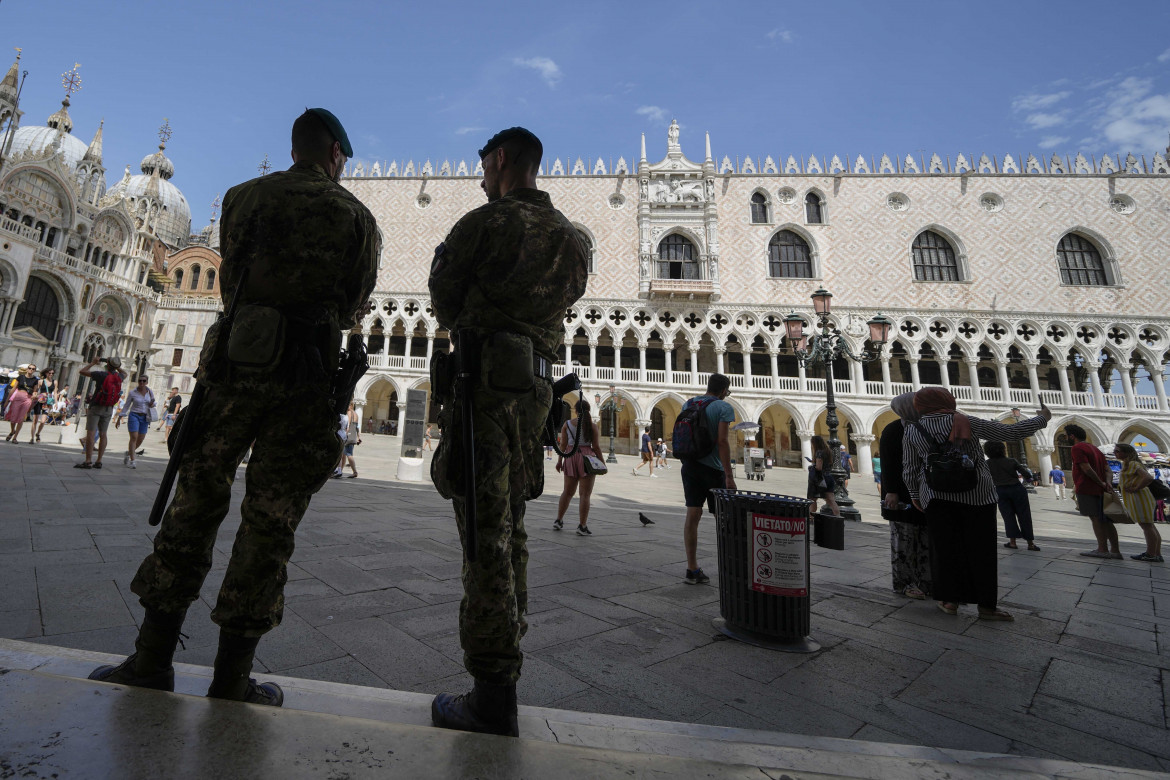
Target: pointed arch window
{"x":934,"y":258}
{"x":814,"y":211}
{"x":759,"y":209}
{"x":1080,"y":262}
{"x":789,"y":257}
{"x":195,"y":277}
{"x":677,"y":258}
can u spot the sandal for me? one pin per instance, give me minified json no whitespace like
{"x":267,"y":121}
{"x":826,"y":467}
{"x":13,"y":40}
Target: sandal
{"x":913,"y":592}
{"x":82,"y":466}
{"x":995,"y":614}
{"x":1033,"y":547}
{"x":97,"y":465}
{"x":949,"y":608}
{"x":1011,"y":545}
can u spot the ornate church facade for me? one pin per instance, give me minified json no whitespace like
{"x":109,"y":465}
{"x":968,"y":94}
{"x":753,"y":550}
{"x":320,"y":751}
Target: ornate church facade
{"x":81,"y":266}
{"x":1009,"y":280}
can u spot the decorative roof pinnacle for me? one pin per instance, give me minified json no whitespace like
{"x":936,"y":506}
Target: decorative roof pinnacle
{"x":94,"y":152}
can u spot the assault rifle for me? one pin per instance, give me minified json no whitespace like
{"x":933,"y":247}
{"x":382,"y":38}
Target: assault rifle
{"x":466,"y":380}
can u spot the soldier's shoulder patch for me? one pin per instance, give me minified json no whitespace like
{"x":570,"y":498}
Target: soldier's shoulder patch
{"x":440,"y":249}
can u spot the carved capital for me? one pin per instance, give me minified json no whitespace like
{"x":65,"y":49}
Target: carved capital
{"x":863,"y":438}
{"x":1043,"y":449}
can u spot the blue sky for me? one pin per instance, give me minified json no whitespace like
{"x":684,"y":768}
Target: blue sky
{"x":433,"y":80}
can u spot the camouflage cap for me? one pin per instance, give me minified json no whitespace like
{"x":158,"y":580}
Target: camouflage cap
{"x":334,"y":125}
{"x":507,"y":135}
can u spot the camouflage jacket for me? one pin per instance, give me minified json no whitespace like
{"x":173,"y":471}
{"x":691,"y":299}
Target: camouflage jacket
{"x":515,"y":264}
{"x":307,"y":242}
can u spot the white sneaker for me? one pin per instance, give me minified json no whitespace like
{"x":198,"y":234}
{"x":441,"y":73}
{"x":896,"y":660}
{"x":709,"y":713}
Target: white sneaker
{"x":634,"y":472}
{"x":126,"y":459}
{"x":133,"y":464}
{"x":653,"y":476}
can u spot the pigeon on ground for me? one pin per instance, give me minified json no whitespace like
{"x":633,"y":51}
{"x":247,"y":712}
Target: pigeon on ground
{"x":645,"y":520}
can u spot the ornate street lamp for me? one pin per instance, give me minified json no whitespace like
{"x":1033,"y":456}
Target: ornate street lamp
{"x":613,"y":405}
{"x":823,"y":348}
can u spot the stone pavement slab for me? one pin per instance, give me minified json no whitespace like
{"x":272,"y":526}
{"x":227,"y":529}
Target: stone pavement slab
{"x":374,"y":586}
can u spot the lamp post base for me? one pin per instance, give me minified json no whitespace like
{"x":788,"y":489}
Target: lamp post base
{"x":611,"y":458}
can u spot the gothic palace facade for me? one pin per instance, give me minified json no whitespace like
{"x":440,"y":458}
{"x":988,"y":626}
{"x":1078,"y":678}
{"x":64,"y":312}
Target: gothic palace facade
{"x":1008,"y":280}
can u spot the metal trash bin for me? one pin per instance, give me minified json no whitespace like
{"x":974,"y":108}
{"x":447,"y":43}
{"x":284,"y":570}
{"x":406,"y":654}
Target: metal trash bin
{"x":763,"y":541}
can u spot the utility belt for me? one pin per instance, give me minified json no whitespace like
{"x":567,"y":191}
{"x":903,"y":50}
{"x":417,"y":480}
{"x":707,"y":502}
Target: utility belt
{"x":499,"y":361}
{"x":265,"y":338}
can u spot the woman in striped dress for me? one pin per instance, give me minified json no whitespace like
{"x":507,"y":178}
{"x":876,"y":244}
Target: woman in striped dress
{"x":1139,"y":501}
{"x":963,"y":538}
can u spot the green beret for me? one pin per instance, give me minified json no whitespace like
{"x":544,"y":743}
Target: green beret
{"x":507,"y":135}
{"x":334,"y":125}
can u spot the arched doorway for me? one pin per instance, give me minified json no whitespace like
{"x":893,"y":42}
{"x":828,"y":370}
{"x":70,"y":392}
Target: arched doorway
{"x":778,"y":435}
{"x":845,"y":429}
{"x":381,"y":412}
{"x":41,"y":310}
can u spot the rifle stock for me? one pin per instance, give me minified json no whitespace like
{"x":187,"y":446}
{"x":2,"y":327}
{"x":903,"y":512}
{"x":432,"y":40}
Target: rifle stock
{"x":176,"y":454}
{"x":466,"y":382}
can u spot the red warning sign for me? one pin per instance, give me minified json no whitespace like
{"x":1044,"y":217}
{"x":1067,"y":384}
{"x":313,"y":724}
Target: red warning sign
{"x":779,"y":555}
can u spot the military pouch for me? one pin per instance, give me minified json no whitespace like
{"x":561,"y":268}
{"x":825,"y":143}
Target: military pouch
{"x":506,"y":363}
{"x":257,"y":337}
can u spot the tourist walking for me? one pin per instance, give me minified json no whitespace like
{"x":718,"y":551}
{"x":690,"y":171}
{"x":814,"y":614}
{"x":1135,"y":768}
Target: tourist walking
{"x":46,"y":399}
{"x":909,"y":538}
{"x":137,"y":409}
{"x":660,"y":453}
{"x":702,"y":471}
{"x":961,"y":522}
{"x":1140,"y":504}
{"x":877,"y":469}
{"x":583,"y":432}
{"x":1092,"y":481}
{"x":174,"y":402}
{"x":820,"y":479}
{"x":846,"y":464}
{"x":1013,"y":496}
{"x":427,"y":437}
{"x":647,"y":455}
{"x":20,"y":399}
{"x":1056,"y":478}
{"x":351,"y":438}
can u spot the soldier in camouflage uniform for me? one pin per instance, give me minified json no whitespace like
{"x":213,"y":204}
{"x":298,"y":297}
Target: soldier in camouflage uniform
{"x":507,"y":271}
{"x":298,"y":243}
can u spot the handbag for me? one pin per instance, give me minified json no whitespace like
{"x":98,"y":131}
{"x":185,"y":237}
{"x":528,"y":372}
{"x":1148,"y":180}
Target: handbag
{"x":1114,"y":510}
{"x":593,"y":465}
{"x":1159,"y":490}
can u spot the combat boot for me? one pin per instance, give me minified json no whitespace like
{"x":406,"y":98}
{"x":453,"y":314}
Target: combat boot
{"x":151,"y":663}
{"x":233,"y":664}
{"x":487,"y":709}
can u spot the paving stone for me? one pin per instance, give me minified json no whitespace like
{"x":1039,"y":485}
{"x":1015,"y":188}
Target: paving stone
{"x":852,"y":610}
{"x":20,"y":623}
{"x":555,"y":626}
{"x":602,"y":609}
{"x":427,"y":621}
{"x":1040,"y":596}
{"x":1120,"y":601}
{"x":1083,"y":717}
{"x":542,"y":683}
{"x":324,"y":611}
{"x":1132,"y":633}
{"x":392,"y":654}
{"x":1136,"y":696}
{"x":341,"y":670}
{"x":865,"y":667}
{"x":85,"y":606}
{"x":295,"y":643}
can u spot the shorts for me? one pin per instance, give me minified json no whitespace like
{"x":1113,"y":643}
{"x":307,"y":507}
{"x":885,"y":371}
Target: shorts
{"x":1092,"y":506}
{"x":698,"y":482}
{"x":169,"y":420}
{"x":349,"y":450}
{"x":138,"y":423}
{"x":646,"y":457}
{"x":38,"y":409}
{"x":98,"y":418}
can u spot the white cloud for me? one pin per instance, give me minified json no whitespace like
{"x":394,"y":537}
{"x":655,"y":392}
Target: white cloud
{"x":466,"y":130}
{"x":653,"y":113}
{"x":1041,"y":121}
{"x":1051,"y":141}
{"x":784,"y":36}
{"x":548,"y":70}
{"x":1164,"y":56}
{"x":1036,"y":102}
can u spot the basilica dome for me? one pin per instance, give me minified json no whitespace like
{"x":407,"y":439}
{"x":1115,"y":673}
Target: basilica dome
{"x":38,"y":139}
{"x":155,"y":201}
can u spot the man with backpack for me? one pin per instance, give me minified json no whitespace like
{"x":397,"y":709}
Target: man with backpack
{"x":101,"y":407}
{"x":701,"y":442}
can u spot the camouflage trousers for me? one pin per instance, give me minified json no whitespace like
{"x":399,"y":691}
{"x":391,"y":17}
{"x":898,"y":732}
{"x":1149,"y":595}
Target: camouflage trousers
{"x":509,"y":462}
{"x":293,"y":435}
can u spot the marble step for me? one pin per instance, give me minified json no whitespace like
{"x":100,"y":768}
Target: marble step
{"x":53,"y":722}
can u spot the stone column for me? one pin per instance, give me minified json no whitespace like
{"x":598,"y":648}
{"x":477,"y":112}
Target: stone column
{"x":1127,"y":385}
{"x":617,"y":360}
{"x":1095,"y":382}
{"x":430,"y":347}
{"x":568,"y":354}
{"x":915,"y":382}
{"x":773,"y":360}
{"x":942,"y":370}
{"x":366,"y":339}
{"x":694,"y":364}
{"x":401,"y":416}
{"x":358,"y":406}
{"x":973,"y":373}
{"x":805,"y":445}
{"x":1044,"y":452}
{"x":641,"y":362}
{"x":856,"y":377}
{"x":747,"y":369}
{"x":1004,"y":385}
{"x":406,"y":352}
{"x":1159,"y":388}
{"x":719,"y":359}
{"x":1062,"y":377}
{"x":1033,"y":378}
{"x":887,"y":385}
{"x":668,"y":353}
{"x":801,"y":377}
{"x":592,"y":359}
{"x":864,"y":459}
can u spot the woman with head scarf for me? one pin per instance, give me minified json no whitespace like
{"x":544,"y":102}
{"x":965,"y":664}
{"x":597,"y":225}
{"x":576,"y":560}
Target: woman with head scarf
{"x":961,"y":522}
{"x":909,"y":540}
{"x":23,"y":388}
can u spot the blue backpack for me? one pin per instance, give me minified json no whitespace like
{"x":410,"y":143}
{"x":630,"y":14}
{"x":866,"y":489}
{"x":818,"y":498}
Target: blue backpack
{"x":692,"y":438}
